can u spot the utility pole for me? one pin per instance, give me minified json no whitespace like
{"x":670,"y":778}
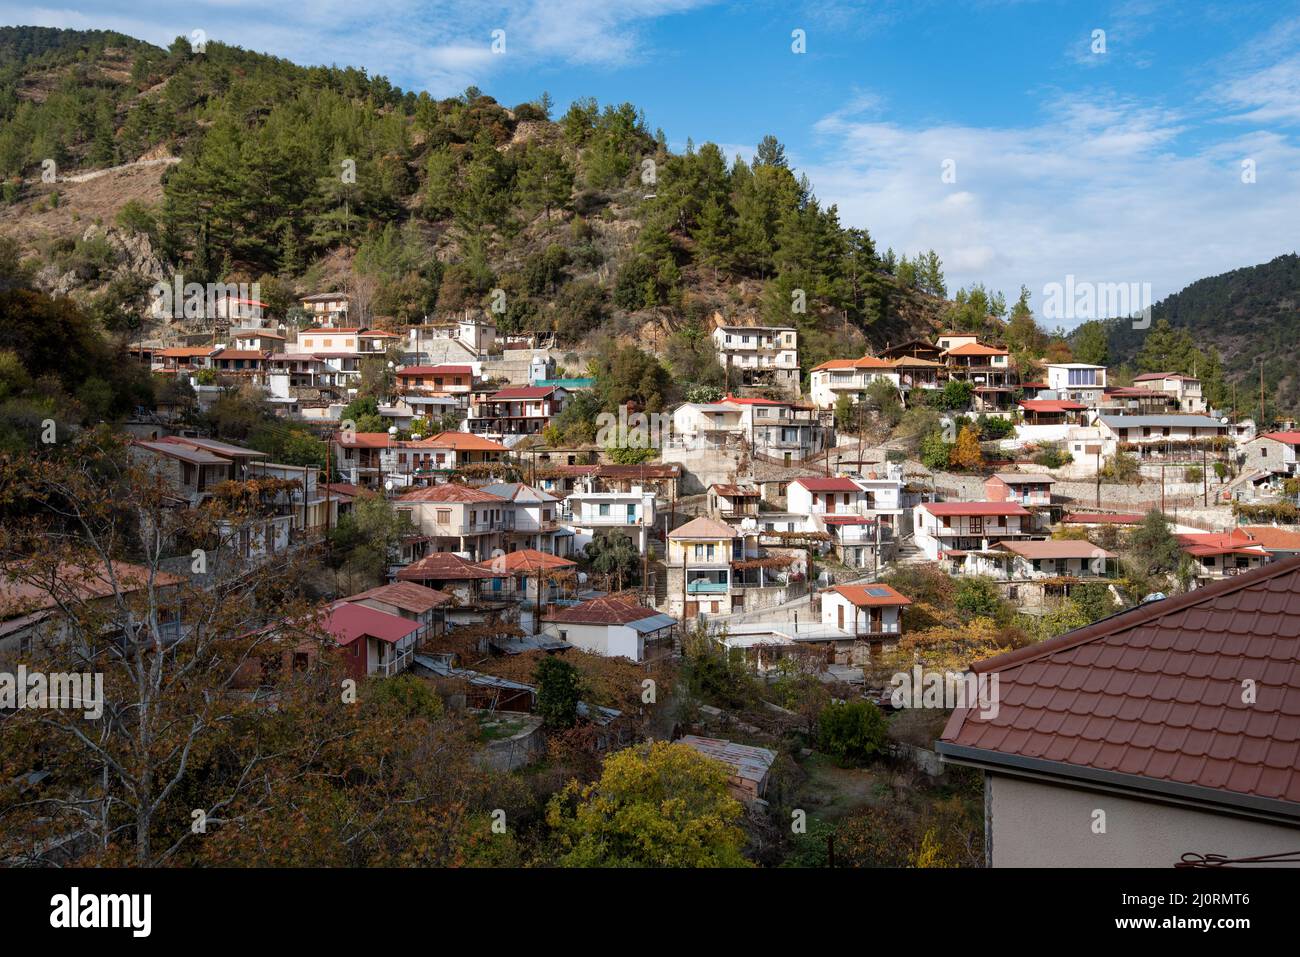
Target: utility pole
{"x":1099,"y":476}
{"x":1261,"y":394}
{"x":1205,"y":476}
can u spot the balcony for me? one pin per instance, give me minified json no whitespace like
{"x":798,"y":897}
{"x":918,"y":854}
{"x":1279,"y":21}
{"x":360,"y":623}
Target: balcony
{"x":877,"y":628}
{"x":704,"y":586}
{"x":395,"y":664}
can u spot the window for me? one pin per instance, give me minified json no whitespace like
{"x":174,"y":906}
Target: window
{"x":444,"y":516}
{"x":604,"y":509}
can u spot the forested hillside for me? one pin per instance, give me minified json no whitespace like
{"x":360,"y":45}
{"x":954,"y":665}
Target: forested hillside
{"x":303,"y":177}
{"x":573,"y":221}
{"x":1248,"y":317}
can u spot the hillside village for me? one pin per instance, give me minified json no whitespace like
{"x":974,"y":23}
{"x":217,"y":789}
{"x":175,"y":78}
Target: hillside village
{"x":653,"y":521}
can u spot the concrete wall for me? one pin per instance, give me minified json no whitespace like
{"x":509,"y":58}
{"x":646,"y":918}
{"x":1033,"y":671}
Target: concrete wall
{"x":1043,"y":825}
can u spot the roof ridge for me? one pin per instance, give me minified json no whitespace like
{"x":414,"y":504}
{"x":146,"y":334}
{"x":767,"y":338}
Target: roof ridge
{"x":1139,"y":614}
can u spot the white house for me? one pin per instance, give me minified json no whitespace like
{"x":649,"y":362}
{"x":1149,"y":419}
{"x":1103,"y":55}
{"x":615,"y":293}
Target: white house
{"x":948,"y":529}
{"x":1077,"y":381}
{"x":835,"y":378}
{"x":614,"y":625}
{"x":872,"y":612}
{"x":762,"y":355}
{"x":590,"y":512}
{"x":1155,"y":430}
{"x":1185,"y":389}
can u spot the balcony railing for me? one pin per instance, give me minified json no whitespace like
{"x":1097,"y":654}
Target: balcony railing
{"x":880,"y":628}
{"x":617,"y":519}
{"x":394,"y":665}
{"x":703,"y":587}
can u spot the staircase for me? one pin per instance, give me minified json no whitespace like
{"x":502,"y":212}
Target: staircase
{"x":909,"y":553}
{"x":659,"y":571}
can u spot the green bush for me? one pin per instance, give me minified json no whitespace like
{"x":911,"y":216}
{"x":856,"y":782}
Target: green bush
{"x":1053,"y":457}
{"x":851,"y":731}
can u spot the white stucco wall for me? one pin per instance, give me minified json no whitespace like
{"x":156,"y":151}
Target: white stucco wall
{"x":1043,"y":825}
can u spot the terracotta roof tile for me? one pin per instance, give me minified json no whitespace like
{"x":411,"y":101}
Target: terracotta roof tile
{"x":1155,"y":694}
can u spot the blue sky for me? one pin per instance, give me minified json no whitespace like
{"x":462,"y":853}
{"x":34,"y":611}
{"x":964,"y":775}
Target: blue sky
{"x":1122,"y":166}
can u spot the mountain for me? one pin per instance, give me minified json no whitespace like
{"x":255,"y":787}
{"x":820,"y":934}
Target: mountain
{"x":1247,"y":316}
{"x":227,"y":165}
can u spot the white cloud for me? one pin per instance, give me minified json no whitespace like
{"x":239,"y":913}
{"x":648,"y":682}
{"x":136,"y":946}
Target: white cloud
{"x":439,"y":45}
{"x":1094,"y":190}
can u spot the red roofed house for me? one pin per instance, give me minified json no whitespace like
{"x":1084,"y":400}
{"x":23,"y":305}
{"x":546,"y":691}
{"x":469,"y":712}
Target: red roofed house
{"x":372,"y":642}
{"x":825,"y":496}
{"x":1035,"y":573}
{"x":1053,"y":412}
{"x":867,"y":612}
{"x":406,"y":599}
{"x":949,"y":529}
{"x":1023,"y":487}
{"x":518,"y":575}
{"x":987,"y":368}
{"x":1168,"y":733}
{"x":848,"y":377}
{"x":516,"y":411}
{"x":1274,"y":453}
{"x":370,"y":459}
{"x":456,"y":576}
{"x":450,"y":379}
{"x":456,"y":518}
{"x":615,"y":625}
{"x":1223,"y":554}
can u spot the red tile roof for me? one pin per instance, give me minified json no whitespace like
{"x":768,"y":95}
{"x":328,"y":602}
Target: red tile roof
{"x":617,"y":609}
{"x":435,"y":370}
{"x":442,"y":567}
{"x":1052,"y":405}
{"x":1273,"y":538}
{"x":1152,"y":699}
{"x":703,"y":528}
{"x":461,"y":442}
{"x":827,"y":484}
{"x":973,"y":508}
{"x":1289,"y":438}
{"x":405,"y":595}
{"x":525,"y":561}
{"x":1103,"y":518}
{"x":1236,"y":542}
{"x":871,"y":595}
{"x":240,"y":354}
{"x":366,"y":440}
{"x":977,"y":349}
{"x":522,"y":392}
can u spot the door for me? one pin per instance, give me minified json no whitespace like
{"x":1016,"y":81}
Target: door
{"x":692,"y":609}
